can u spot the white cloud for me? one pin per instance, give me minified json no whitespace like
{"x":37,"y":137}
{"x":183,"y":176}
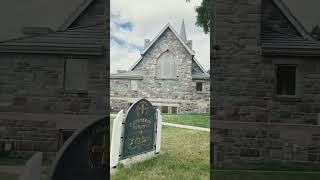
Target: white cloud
{"x":148,"y":18}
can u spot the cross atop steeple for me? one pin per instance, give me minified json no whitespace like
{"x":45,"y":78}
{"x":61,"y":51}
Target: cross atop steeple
{"x":183,"y":32}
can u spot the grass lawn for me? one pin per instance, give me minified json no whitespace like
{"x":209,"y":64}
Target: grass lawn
{"x":266,"y":170}
{"x":7,"y":176}
{"x":263,"y":175}
{"x":184,"y":155}
{"x":191,"y":119}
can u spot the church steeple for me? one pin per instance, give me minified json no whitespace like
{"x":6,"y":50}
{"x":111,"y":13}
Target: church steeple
{"x":183,"y":32}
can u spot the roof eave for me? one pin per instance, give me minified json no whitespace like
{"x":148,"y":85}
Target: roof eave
{"x":272,"y":51}
{"x":127,"y":78}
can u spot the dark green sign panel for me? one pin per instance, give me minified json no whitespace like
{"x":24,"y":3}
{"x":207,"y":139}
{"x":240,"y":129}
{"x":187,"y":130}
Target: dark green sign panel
{"x":139,"y":129}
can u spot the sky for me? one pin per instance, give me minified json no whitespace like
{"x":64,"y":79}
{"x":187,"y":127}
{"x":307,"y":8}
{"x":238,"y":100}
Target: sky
{"x":133,"y":21}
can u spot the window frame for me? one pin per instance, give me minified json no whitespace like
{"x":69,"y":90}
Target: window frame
{"x":298,"y":82}
{"x":159,"y":72}
{"x":197,"y":82}
{"x":72,"y":89}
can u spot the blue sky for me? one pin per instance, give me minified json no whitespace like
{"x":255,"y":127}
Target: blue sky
{"x":133,"y":21}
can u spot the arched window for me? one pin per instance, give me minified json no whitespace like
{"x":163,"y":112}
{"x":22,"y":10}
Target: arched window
{"x":166,"y":66}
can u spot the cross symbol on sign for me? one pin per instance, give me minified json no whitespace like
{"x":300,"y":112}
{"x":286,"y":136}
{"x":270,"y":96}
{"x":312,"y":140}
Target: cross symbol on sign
{"x":142,"y":109}
{"x":102,"y":149}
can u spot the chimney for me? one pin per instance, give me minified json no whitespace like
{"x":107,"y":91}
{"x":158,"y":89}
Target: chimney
{"x":31,"y":31}
{"x":189,"y":44}
{"x":146,"y":43}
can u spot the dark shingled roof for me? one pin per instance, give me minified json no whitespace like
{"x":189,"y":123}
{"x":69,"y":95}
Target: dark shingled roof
{"x":128,"y":75}
{"x":85,"y":39}
{"x":82,"y":40}
{"x":280,"y":39}
{"x":200,"y":76}
{"x":274,"y":43}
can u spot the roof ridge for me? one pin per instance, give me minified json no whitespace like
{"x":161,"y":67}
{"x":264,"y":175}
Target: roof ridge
{"x":293,"y":20}
{"x":55,"y":32}
{"x":73,"y":16}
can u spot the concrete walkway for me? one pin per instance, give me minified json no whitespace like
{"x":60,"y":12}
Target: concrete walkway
{"x":186,"y":127}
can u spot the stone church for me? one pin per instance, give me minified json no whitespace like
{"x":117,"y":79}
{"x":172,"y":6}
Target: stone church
{"x":266,"y":84}
{"x":167,"y":74}
{"x":52,"y":79}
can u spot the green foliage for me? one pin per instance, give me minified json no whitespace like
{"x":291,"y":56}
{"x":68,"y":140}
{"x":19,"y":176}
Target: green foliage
{"x":203,"y":17}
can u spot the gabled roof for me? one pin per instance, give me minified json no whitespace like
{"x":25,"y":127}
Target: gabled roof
{"x":87,"y":40}
{"x":168,"y":26}
{"x":281,"y":42}
{"x":16,"y":15}
{"x":84,"y":39}
{"x":294,"y":21}
{"x":75,"y":14}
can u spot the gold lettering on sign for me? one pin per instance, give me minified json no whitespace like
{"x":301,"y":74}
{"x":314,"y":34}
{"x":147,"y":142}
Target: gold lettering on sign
{"x":140,"y":124}
{"x":140,"y":140}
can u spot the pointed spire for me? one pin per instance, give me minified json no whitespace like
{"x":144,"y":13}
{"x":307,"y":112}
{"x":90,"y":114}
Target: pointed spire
{"x":183,"y":32}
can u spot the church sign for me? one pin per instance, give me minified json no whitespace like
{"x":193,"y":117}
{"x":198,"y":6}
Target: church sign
{"x":139,"y":129}
{"x":138,"y":135}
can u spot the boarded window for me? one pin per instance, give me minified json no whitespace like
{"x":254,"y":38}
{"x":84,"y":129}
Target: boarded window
{"x":164,"y":109}
{"x":199,"y":86}
{"x":76,"y":74}
{"x":166,"y":67}
{"x":286,"y":80}
{"x":134,"y":84}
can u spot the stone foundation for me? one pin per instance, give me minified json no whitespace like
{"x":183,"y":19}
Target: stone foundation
{"x":234,"y":141}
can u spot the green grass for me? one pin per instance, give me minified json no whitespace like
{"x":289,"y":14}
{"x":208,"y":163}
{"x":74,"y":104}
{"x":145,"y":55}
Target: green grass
{"x":259,"y":175}
{"x":6,"y":161}
{"x":272,"y":166}
{"x":184,"y":155}
{"x":7,"y":176}
{"x":192,"y":119}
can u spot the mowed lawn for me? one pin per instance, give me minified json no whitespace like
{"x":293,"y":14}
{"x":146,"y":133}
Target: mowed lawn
{"x":264,"y":175}
{"x":185,"y":154}
{"x":265,"y":170}
{"x":191,"y":119}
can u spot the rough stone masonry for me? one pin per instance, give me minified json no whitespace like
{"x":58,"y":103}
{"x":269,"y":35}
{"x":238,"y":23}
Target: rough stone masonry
{"x":250,"y":121}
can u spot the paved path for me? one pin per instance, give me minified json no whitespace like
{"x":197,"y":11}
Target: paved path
{"x":186,"y":127}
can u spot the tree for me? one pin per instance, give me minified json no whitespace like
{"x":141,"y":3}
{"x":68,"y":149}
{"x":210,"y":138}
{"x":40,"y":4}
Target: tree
{"x":203,"y":15}
{"x":316,"y":32}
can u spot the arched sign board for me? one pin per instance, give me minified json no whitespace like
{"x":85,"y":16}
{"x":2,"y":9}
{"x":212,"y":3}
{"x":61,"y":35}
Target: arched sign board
{"x":139,"y":129}
{"x":85,"y":155}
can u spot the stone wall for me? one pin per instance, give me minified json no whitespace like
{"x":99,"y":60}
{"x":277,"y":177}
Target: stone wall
{"x":179,"y":92}
{"x":247,"y":141}
{"x":26,"y":137}
{"x":35,"y":83}
{"x":244,"y":89}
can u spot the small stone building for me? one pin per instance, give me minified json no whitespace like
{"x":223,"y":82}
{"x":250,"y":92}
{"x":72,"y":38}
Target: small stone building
{"x":266,"y":84}
{"x":53,"y":81}
{"x":167,"y":74}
